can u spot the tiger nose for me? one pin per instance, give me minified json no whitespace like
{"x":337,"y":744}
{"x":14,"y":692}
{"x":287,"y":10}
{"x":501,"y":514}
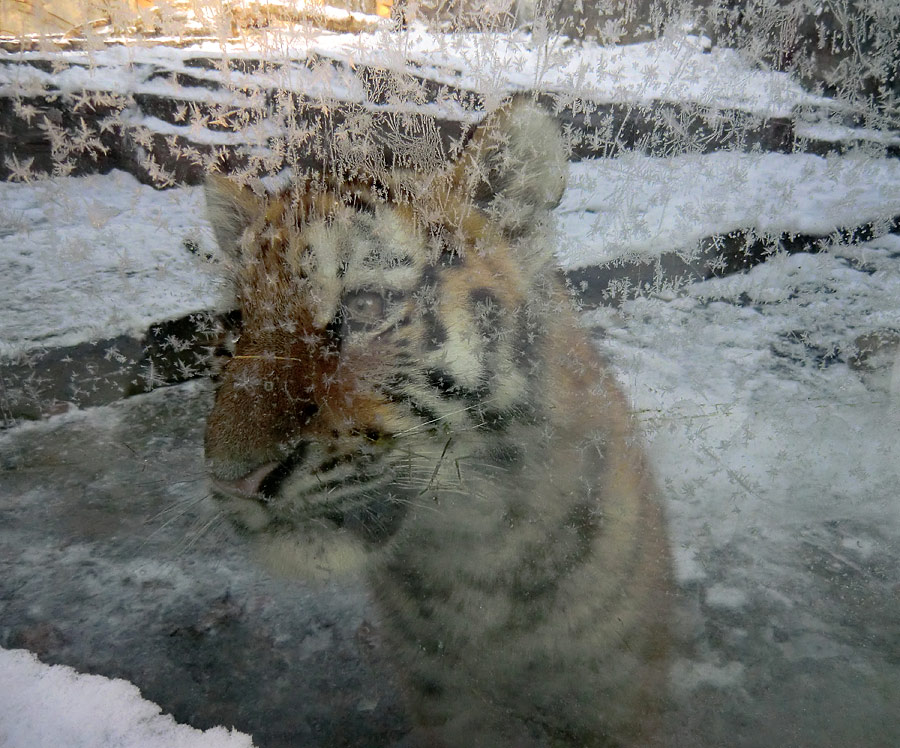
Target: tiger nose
{"x":249,"y":428}
{"x":246,"y":487}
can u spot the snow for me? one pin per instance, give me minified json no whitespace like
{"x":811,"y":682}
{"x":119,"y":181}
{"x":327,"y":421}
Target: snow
{"x":752,"y":437}
{"x":639,"y":207}
{"x":44,"y":706}
{"x":695,"y":675}
{"x":831,"y":132}
{"x":779,"y":464}
{"x":725,"y":597}
{"x":673,"y":68}
{"x":255,"y":137}
{"x":75,"y":254}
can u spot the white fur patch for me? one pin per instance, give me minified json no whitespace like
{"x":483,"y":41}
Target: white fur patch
{"x":315,"y":553}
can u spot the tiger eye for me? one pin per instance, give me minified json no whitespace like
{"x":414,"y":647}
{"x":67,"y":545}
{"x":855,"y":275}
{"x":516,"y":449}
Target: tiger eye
{"x":364,"y":307}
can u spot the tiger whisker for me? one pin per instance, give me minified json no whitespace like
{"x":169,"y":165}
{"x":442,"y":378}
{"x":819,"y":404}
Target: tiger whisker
{"x":447,"y":488}
{"x":485,"y":465}
{"x":187,"y":507}
{"x":173,"y":505}
{"x":411,"y":502}
{"x":438,"y":465}
{"x":422,"y":505}
{"x":217,"y":519}
{"x":443,"y":417}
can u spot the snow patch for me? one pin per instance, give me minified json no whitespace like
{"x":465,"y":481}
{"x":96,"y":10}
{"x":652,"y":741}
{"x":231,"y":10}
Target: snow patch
{"x":688,"y":568}
{"x":638,"y":207}
{"x":92,"y":257}
{"x":44,"y":706}
{"x":722,"y":596}
{"x":861,"y":547}
{"x":690,"y":675}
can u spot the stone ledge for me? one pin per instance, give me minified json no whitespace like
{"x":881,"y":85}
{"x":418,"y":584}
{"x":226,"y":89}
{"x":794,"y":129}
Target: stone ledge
{"x":47,"y":381}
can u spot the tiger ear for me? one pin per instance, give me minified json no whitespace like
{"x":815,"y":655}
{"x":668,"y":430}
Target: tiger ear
{"x":514,"y":166}
{"x":230,"y":208}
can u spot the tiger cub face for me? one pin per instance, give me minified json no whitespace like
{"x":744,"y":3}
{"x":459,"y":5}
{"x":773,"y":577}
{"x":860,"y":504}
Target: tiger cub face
{"x":384,"y":324}
{"x":410,"y":394}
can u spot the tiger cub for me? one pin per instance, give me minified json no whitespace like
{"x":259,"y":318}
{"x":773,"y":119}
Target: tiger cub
{"x":411,"y":395}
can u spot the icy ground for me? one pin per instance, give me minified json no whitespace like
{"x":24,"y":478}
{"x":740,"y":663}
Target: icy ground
{"x":780,"y":465}
{"x":775,"y":447}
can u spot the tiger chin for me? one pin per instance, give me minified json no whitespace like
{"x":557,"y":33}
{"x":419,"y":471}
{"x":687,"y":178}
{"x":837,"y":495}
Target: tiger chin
{"x":410,"y":395}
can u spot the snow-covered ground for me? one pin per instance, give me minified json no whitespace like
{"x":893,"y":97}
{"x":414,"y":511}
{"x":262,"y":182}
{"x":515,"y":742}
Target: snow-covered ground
{"x":45,"y":706}
{"x":77,"y":253}
{"x":780,"y":465}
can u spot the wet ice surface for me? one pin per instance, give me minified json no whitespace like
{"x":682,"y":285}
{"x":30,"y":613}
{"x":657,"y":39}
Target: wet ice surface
{"x":113,"y":568}
{"x":777,"y":460}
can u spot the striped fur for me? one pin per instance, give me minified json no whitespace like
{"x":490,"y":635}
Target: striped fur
{"x":411,"y":395}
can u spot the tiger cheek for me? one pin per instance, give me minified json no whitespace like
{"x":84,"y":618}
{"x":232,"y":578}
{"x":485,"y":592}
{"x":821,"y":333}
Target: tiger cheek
{"x":348,"y":406}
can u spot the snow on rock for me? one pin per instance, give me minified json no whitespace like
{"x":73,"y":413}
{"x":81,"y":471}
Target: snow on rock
{"x":44,"y":706}
{"x":637,"y":207}
{"x":674,"y":68}
{"x":94,"y":257}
